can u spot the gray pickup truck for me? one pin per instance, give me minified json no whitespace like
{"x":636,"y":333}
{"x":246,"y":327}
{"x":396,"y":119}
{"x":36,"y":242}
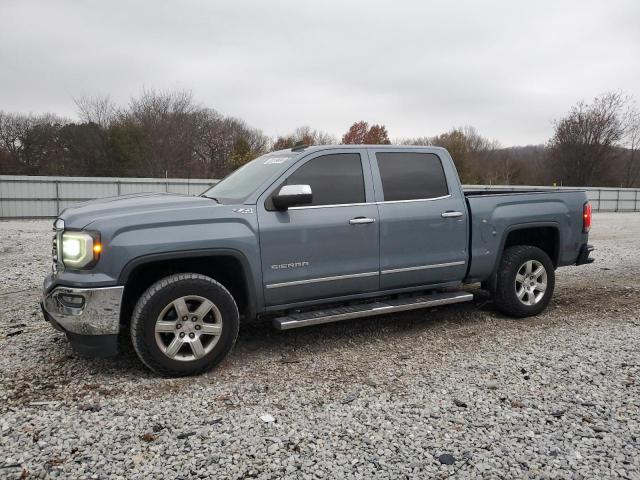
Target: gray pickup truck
{"x":302,"y":237}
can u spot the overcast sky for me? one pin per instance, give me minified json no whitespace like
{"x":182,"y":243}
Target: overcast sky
{"x":420,"y":67}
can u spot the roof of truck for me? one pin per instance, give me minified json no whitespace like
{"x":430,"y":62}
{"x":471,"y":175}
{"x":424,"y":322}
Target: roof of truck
{"x":315,"y":148}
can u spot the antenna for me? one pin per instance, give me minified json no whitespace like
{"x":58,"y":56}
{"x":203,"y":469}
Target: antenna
{"x":299,"y":146}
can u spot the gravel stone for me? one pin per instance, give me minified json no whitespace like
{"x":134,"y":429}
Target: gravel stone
{"x":577,"y":416}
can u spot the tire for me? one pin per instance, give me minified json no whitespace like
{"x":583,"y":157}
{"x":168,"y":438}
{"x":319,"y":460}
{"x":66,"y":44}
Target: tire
{"x":174,"y":347}
{"x":519,"y":289}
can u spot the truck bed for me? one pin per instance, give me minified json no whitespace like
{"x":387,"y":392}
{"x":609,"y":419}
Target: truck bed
{"x":495,"y":213}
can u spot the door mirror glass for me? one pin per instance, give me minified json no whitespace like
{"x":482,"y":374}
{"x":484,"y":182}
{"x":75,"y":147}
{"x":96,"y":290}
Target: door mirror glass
{"x":293,"y":196}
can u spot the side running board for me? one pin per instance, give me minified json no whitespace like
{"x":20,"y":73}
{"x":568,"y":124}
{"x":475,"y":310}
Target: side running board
{"x":317,"y":317}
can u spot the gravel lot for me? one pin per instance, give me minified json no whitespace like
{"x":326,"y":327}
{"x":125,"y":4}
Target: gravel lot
{"x":557,"y":396}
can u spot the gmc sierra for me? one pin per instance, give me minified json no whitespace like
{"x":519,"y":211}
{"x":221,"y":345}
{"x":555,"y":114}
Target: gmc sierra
{"x":303,"y":236}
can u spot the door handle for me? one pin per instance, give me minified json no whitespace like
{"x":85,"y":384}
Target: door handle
{"x":451,"y":214}
{"x":361,"y":220}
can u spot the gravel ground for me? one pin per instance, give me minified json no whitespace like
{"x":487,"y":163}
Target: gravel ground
{"x":557,"y":396}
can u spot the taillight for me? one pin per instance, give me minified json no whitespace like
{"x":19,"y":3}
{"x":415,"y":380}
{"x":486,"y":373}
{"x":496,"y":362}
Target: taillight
{"x":586,"y":217}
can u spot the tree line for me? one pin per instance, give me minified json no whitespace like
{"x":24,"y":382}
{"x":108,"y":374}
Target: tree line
{"x":168,"y":134}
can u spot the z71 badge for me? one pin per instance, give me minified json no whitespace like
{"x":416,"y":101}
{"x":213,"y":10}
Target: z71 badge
{"x":243,"y":210}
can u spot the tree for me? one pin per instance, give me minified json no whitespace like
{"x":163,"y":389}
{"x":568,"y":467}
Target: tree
{"x":471,"y":152}
{"x":305,"y":135}
{"x":584,"y":143}
{"x":361,"y":133}
{"x":630,"y":157}
{"x":166,"y":120}
{"x":219,"y":138}
{"x":86,"y":150}
{"x":96,"y":109}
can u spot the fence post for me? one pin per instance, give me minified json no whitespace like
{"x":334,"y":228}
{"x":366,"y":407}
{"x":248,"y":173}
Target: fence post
{"x":618,"y":200}
{"x":57,"y":197}
{"x":635,"y":201}
{"x":599,"y":204}
{"x":118,"y":183}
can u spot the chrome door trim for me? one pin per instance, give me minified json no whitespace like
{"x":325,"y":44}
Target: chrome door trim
{"x":423,"y":267}
{"x":332,"y":206}
{"x":415,"y":200}
{"x":369,"y":203}
{"x":322,"y":279}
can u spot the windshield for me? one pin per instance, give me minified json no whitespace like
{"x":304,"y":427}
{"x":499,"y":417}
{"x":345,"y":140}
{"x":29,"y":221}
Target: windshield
{"x":239,"y":185}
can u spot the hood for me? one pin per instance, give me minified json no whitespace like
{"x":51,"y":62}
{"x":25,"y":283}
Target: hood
{"x":83,"y":214}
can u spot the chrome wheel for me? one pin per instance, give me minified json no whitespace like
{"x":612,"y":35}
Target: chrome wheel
{"x":188,"y":328}
{"x":531,"y":282}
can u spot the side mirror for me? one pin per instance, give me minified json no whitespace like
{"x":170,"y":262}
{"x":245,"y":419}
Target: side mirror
{"x":292,"y":196}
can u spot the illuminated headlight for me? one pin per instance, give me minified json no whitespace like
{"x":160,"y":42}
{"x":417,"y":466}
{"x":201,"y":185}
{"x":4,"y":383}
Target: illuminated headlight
{"x":80,"y":249}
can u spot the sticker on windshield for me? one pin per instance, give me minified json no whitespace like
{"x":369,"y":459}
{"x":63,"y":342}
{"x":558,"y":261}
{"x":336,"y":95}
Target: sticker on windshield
{"x":274,"y":160}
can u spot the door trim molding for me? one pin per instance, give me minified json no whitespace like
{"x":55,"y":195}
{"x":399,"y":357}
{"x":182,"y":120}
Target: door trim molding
{"x":423,"y":267}
{"x":337,"y":205}
{"x":322,"y":279}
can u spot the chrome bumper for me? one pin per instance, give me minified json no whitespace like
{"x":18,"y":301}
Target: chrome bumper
{"x":85,"y":311}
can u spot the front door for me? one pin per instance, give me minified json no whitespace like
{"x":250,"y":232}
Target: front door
{"x":330,"y":247}
{"x":423,"y":219}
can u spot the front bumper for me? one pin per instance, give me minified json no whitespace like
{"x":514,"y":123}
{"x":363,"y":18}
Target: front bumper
{"x":89,"y":316}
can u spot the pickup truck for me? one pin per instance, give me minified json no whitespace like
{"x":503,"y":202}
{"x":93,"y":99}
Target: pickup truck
{"x":300,"y":237}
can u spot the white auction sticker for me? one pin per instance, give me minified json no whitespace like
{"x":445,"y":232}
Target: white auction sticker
{"x":273,"y":160}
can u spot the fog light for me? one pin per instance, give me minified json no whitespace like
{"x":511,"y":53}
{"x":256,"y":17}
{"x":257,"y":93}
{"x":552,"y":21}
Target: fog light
{"x":73,"y":301}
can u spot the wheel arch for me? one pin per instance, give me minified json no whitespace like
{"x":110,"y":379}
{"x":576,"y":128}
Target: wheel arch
{"x":229,"y":267}
{"x":544,"y":235}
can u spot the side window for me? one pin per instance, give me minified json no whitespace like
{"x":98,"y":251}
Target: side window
{"x":411,"y":176}
{"x":334,"y":179}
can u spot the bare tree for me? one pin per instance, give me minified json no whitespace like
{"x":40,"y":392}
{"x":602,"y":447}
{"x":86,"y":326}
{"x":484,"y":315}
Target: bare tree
{"x":630,"y":156}
{"x":306,"y":135}
{"x":13,"y":130}
{"x":166,"y":122}
{"x":96,"y":109}
{"x":583,"y":146}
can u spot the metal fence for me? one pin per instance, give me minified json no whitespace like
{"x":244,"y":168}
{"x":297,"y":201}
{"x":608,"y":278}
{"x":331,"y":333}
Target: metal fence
{"x":46,"y":197}
{"x":603,"y":199}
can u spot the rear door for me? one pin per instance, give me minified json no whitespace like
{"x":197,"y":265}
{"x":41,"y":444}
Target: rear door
{"x":423,"y":218}
{"x":329,"y":248}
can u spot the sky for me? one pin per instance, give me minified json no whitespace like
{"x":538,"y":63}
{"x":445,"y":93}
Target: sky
{"x":509,"y":68}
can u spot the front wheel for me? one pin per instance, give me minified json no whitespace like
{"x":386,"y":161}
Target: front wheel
{"x":525,"y":281}
{"x":184,"y":324}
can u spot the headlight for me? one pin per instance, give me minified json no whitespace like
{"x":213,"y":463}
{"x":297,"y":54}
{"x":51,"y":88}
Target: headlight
{"x":80,"y":249}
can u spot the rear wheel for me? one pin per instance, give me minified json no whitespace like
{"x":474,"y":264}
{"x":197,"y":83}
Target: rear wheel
{"x":525,"y":281}
{"x":184,"y":324}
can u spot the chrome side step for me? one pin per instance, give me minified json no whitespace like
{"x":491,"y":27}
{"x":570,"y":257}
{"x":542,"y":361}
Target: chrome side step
{"x":317,"y":317}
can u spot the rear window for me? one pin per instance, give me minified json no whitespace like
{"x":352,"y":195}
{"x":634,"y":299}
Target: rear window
{"x":411,"y":176}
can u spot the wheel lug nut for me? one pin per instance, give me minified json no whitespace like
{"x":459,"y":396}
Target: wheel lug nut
{"x":179,"y":326}
{"x":185,"y":318}
{"x":194,"y":319}
{"x":191,"y":335}
{"x":198,"y":327}
{"x":182,"y":335}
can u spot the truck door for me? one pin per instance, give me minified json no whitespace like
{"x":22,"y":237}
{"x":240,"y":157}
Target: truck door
{"x":326,"y":249}
{"x":423,"y":218}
